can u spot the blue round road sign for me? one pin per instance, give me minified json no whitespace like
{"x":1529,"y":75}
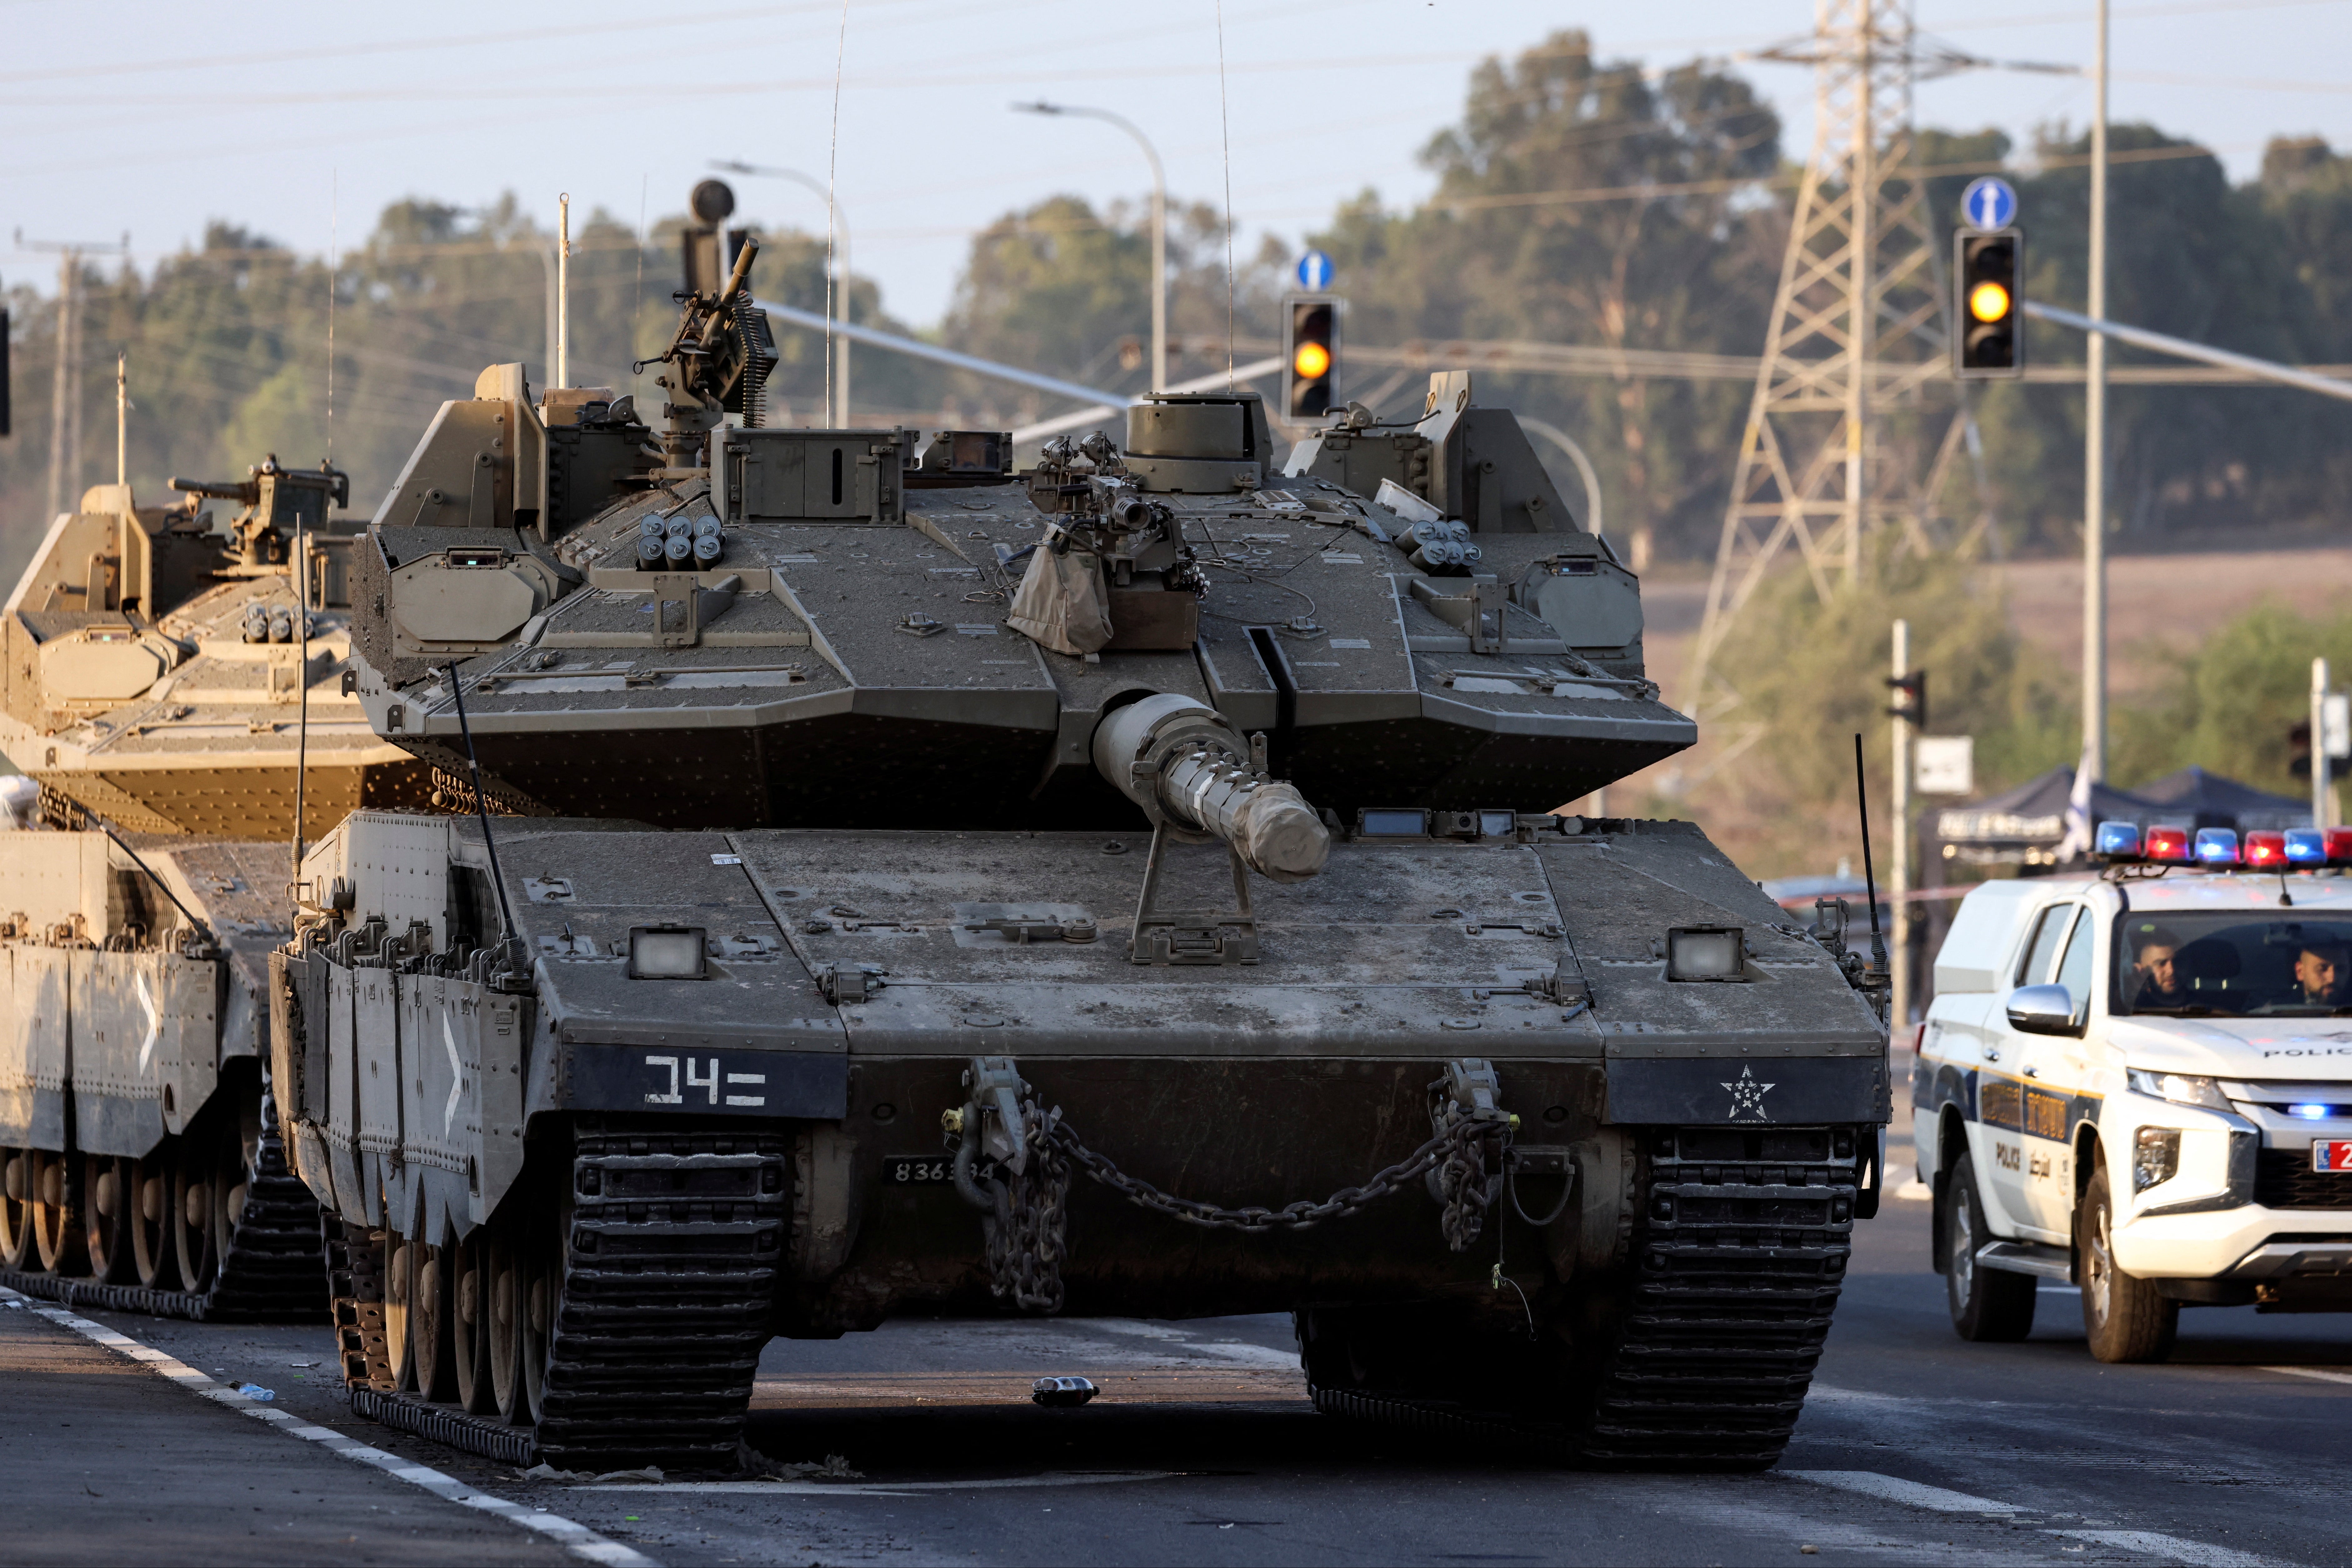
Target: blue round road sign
{"x":1315,"y":272}
{"x":1990,"y":202}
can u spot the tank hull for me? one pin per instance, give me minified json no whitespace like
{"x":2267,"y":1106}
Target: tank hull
{"x":140,"y":1150}
{"x":848,"y":989}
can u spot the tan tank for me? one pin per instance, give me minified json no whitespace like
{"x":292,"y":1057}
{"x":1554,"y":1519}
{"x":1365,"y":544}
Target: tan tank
{"x":153,"y":684}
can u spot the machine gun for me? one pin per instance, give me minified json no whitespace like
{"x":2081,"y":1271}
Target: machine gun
{"x":278,"y":503}
{"x":720,"y":357}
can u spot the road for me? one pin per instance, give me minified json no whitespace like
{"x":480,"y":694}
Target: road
{"x":1915,"y":1448}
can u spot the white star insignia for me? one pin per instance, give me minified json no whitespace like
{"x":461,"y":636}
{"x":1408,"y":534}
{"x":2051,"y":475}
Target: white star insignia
{"x":1748,"y":1096}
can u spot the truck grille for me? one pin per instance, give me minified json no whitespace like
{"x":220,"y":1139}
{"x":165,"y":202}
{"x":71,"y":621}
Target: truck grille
{"x":2284,"y":1179}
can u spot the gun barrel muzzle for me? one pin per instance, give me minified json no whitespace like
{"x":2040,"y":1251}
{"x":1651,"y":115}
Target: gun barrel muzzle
{"x":1185,"y":763}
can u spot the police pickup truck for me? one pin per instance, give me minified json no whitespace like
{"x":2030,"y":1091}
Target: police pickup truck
{"x":2141,"y":1081}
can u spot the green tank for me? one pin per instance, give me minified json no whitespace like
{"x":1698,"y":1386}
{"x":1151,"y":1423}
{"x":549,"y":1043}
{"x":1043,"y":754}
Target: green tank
{"x":899,"y":883}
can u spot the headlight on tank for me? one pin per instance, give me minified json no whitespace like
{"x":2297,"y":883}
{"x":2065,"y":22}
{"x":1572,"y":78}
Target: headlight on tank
{"x":1704,"y":953}
{"x":666,"y":952}
{"x":2155,"y":1156}
{"x":2179,"y":1088}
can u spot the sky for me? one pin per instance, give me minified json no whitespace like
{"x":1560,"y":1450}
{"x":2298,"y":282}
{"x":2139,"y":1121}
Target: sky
{"x":302,"y":121}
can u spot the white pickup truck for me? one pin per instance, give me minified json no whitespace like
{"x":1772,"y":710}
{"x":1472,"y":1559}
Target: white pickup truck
{"x":2144,"y":1087}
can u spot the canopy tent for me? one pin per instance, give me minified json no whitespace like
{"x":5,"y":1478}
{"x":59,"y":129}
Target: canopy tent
{"x":2020,"y":826}
{"x":2195,"y":798}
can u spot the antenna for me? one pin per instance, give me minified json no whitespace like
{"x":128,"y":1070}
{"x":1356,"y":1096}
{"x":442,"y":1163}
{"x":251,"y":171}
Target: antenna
{"x":482,"y":806}
{"x":1869,"y":877}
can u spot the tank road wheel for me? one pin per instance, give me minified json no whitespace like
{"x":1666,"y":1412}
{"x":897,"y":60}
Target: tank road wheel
{"x":1988,"y":1305}
{"x":499,"y":1329}
{"x":469,"y":1322}
{"x":540,"y":1272}
{"x":2125,"y":1318}
{"x":15,"y":1208}
{"x":193,"y":1214}
{"x":56,"y":1217}
{"x":399,"y":1283}
{"x":113,"y":1199}
{"x":147,"y":1193}
{"x":430,"y":1308}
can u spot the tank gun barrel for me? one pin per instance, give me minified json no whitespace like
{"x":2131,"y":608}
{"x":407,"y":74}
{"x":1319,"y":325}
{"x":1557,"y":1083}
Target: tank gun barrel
{"x":1187,"y":766}
{"x":247,"y":492}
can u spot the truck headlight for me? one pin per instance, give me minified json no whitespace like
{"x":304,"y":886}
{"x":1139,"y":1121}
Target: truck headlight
{"x":2179,"y":1088}
{"x":2155,"y":1156}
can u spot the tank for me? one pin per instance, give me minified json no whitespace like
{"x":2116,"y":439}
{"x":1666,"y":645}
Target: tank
{"x":153,"y":693}
{"x":868,"y":840}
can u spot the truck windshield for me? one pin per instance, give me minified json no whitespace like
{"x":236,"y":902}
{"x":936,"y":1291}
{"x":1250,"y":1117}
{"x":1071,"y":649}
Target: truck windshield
{"x":2237,"y":964}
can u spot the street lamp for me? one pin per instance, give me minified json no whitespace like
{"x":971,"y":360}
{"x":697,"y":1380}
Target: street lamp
{"x":839,"y":413}
{"x":1158,"y":224}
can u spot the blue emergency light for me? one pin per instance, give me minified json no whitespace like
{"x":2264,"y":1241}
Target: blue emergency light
{"x":2217,"y":845}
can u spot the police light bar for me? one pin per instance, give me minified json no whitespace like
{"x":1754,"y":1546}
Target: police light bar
{"x":2217,"y":847}
{"x":2266,"y":851}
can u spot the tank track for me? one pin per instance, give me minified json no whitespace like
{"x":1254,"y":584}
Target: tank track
{"x":271,"y":1274}
{"x":1736,"y":1267}
{"x":672,"y":1250}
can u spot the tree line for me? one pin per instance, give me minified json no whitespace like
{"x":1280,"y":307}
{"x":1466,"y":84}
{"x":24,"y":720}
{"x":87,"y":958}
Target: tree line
{"x":1578,"y":200}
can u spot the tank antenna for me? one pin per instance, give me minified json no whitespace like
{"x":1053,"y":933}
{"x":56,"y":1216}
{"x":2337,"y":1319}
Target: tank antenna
{"x":482,"y":806}
{"x":1869,"y":878}
{"x":203,"y":930}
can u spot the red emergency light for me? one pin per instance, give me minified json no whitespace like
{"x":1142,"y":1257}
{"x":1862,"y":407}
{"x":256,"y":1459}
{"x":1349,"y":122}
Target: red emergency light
{"x":2264,"y":851}
{"x":2169,"y":844}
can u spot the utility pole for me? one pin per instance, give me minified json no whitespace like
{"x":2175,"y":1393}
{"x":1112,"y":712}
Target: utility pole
{"x":65,"y":384}
{"x":122,"y":418}
{"x":564,"y":289}
{"x":1898,"y":883}
{"x":1857,"y":339}
{"x":2322,"y":764}
{"x":2095,"y":437}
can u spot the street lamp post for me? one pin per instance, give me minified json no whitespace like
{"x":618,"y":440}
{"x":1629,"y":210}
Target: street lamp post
{"x":839,"y":413}
{"x":1158,"y":224}
{"x":2094,"y":438}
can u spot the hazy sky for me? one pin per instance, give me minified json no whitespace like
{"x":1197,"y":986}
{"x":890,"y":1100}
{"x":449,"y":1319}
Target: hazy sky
{"x":151,"y":117}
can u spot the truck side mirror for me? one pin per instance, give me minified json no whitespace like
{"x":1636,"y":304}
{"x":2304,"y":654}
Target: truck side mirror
{"x":2042,"y":1010}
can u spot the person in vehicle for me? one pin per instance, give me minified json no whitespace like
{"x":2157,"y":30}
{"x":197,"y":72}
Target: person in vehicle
{"x":2321,"y":970}
{"x":2156,"y":977}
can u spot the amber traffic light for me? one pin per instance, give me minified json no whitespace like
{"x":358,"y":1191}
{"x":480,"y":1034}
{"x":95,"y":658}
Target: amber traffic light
{"x":1988,"y":335}
{"x":1311,"y":355}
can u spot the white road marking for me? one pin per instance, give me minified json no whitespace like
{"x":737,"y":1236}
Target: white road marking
{"x":2170,"y":1547}
{"x":578,"y":1539}
{"x":884,"y":1489}
{"x":2309,"y":1372}
{"x":1914,"y":1190}
{"x":1941,"y":1500}
{"x":1894,"y":1489}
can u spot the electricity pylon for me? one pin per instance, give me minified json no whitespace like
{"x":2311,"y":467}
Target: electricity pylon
{"x":1854,"y":387}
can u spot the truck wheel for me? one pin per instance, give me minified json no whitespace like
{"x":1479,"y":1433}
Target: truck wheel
{"x":1988,"y":1305}
{"x":2125,"y":1318}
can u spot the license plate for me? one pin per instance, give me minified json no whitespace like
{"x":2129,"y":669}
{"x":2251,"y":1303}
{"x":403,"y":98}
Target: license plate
{"x":929,"y":1169}
{"x":2332,"y":1155}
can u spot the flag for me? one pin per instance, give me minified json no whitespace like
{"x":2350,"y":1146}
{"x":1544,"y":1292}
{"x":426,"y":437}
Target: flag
{"x":2076,"y":845}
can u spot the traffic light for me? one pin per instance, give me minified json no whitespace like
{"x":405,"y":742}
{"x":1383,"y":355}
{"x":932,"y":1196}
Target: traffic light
{"x":1311,"y":353}
{"x":1910,"y":698}
{"x":1989,"y":343}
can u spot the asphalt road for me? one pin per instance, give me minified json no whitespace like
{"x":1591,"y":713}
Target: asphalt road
{"x":1915,"y":1448}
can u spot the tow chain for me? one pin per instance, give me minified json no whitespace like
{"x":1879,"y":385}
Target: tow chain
{"x":1026,"y":1200}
